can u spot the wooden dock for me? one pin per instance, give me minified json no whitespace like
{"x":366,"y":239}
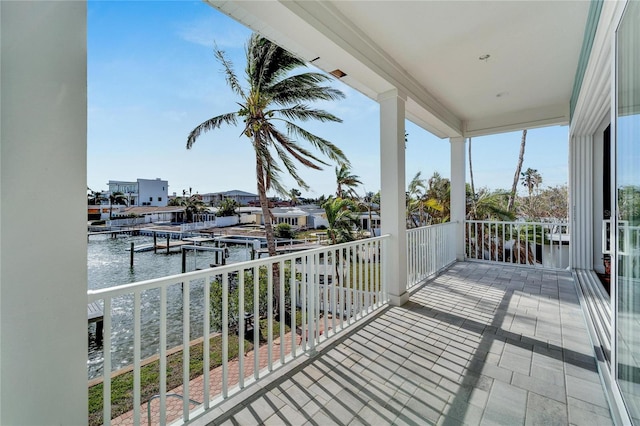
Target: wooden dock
{"x":172,"y":244}
{"x":96,"y":314}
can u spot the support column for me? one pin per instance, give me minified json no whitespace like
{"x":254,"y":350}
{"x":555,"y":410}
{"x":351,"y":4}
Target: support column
{"x":581,"y":202}
{"x":392,"y":193}
{"x":458,"y":192}
{"x":43,"y":258}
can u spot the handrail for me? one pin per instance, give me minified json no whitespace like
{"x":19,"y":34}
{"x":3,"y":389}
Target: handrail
{"x":430,"y":249}
{"x":319,"y":293}
{"x":534,"y":244}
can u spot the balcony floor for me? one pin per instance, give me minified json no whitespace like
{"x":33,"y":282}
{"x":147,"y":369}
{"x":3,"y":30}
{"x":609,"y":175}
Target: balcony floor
{"x":480,"y":344}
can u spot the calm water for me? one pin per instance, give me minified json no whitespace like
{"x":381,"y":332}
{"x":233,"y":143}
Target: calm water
{"x":108,"y":266}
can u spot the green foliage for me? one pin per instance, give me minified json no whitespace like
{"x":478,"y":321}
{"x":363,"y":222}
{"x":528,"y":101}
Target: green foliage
{"x":342,"y":219}
{"x":346,"y":182}
{"x":227,"y":207}
{"x":249,"y":289}
{"x":192,"y":205}
{"x":284,"y":230}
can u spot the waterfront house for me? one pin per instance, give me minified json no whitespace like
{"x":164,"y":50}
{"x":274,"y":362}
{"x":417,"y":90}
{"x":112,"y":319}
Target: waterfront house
{"x":142,"y":192}
{"x":457,"y":69}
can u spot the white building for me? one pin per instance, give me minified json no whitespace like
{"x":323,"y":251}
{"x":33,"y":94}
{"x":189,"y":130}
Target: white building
{"x":243,"y":198}
{"x":143,"y":192}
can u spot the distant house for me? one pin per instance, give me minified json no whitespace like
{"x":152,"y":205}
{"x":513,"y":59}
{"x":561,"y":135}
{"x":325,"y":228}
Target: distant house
{"x":241,"y":197}
{"x":152,"y":214}
{"x":142,"y":192}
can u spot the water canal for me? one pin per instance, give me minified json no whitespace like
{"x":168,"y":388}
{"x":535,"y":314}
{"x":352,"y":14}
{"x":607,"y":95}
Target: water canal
{"x":108,"y":266}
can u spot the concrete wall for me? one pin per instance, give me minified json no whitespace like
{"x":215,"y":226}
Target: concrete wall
{"x":153,"y":191}
{"x":43,"y":271}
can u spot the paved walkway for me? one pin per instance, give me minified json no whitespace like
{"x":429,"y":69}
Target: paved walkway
{"x":481,"y":344}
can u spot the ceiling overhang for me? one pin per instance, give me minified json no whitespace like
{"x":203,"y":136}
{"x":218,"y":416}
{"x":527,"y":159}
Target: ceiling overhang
{"x":432,"y":53}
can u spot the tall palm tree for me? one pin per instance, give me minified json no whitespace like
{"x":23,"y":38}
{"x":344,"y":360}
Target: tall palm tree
{"x":346,"y":182}
{"x":516,"y":176}
{"x":275,"y":95}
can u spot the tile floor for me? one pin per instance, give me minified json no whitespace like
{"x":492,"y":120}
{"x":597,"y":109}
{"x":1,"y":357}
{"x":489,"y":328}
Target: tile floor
{"x":478,"y":345}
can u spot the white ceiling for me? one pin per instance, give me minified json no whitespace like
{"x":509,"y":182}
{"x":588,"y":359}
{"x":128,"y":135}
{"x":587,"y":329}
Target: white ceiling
{"x":430,"y":51}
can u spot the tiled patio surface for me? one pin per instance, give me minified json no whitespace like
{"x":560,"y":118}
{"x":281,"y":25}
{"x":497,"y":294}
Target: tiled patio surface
{"x":480,"y":344}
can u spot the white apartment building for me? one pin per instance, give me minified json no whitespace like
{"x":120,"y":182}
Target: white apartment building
{"x":142,"y":192}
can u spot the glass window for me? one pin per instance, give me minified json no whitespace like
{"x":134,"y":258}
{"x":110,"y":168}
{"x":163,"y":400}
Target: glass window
{"x":628,"y":209}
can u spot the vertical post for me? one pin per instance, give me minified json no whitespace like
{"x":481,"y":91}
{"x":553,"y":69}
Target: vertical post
{"x":155,"y":242}
{"x":168,"y":241}
{"x":458,"y":193}
{"x":43,"y":80}
{"x":184,"y":260}
{"x":393,"y":199}
{"x":131,"y":256}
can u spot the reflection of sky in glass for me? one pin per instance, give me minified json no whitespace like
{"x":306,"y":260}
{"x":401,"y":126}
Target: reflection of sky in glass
{"x":628,"y":150}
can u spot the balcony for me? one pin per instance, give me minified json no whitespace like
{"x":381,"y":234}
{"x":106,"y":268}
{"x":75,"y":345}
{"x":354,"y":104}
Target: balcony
{"x":477,"y":343}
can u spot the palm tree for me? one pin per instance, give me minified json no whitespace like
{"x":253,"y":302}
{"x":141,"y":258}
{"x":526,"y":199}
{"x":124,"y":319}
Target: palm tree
{"x":342,"y":219}
{"x":438,"y":199}
{"x":95,"y":197}
{"x":274,"y":95}
{"x":346,"y":181}
{"x":117,"y":198}
{"x":512,"y":196}
{"x":415,"y":195}
{"x":294,"y":193}
{"x":192,"y":205}
{"x":531,"y":179}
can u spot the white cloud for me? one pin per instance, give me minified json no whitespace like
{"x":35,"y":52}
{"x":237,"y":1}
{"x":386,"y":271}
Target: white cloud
{"x":210,"y":30}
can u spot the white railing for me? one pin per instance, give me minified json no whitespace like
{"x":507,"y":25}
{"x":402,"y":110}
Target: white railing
{"x":536,"y":244}
{"x":430,"y":249}
{"x":197,"y":225}
{"x":320,"y":292}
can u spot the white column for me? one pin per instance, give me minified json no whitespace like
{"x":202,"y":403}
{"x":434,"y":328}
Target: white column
{"x":581,"y":201}
{"x":458,"y":192}
{"x":43,"y":250}
{"x":392,"y":193}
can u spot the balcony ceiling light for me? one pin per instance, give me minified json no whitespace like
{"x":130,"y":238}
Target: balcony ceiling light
{"x":338,"y":73}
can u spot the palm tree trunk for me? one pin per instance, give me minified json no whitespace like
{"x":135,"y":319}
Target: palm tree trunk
{"x":473,"y":188}
{"x":270,"y":236}
{"x":516,"y":176}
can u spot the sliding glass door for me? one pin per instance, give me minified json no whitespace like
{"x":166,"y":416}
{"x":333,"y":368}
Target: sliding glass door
{"x":628,"y":209}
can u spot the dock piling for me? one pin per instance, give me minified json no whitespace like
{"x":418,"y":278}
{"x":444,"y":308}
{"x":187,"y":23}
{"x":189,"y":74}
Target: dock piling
{"x":131,"y":256}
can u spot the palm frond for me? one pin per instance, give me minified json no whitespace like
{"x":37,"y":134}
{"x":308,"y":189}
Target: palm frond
{"x":210,"y":124}
{"x":303,"y":155}
{"x":303,"y":87}
{"x":327,"y":148}
{"x":304,"y":113}
{"x":230,"y":75}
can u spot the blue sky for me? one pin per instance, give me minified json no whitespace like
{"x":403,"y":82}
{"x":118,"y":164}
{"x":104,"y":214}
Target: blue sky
{"x":152,"y":78}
